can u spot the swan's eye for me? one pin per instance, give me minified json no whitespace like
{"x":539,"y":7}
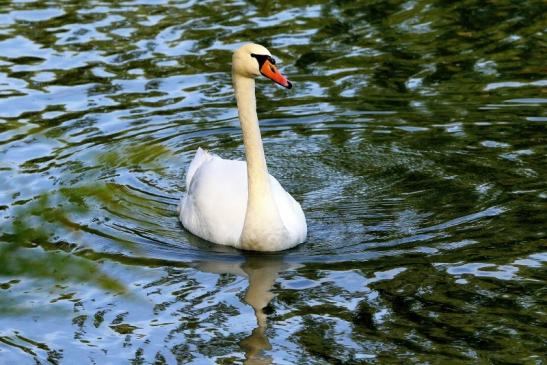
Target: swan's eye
{"x":272,"y":60}
{"x":260,"y":58}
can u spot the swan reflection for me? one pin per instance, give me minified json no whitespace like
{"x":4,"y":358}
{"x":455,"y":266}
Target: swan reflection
{"x":262,"y":272}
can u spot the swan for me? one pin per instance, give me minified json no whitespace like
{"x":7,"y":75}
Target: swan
{"x":238,"y":203}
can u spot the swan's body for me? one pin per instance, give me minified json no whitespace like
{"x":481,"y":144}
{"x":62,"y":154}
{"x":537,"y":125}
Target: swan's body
{"x":238,"y":203}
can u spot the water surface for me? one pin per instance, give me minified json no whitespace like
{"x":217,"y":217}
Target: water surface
{"x":414,"y":137}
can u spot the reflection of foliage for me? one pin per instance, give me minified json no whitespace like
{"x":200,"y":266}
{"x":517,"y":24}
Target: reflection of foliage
{"x":140,"y":157}
{"x":316,"y":338}
{"x":30,"y":244}
{"x":57,"y":265}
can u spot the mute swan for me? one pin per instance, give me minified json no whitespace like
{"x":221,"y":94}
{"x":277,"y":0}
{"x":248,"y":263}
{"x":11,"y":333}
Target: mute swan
{"x":238,"y":203}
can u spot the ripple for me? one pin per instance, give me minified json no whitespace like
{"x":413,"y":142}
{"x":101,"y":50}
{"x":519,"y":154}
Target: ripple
{"x":415,"y":143}
{"x":501,"y":272}
{"x":33,"y":15}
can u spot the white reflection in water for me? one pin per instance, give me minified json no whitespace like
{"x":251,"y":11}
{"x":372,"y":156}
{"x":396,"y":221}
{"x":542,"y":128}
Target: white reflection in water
{"x":262,"y":272}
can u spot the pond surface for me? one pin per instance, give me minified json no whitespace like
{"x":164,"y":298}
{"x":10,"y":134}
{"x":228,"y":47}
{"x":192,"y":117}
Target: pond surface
{"x":415,"y":137}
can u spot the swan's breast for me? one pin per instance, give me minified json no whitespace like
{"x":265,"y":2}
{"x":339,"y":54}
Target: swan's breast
{"x":290,"y":212}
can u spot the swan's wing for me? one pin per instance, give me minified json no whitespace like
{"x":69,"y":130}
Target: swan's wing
{"x":216,"y":200}
{"x":200,"y":157}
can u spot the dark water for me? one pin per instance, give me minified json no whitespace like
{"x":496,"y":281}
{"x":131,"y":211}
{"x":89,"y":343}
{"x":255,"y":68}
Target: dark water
{"x":415,"y":137}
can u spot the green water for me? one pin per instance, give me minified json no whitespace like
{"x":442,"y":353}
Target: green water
{"x":415,"y":137}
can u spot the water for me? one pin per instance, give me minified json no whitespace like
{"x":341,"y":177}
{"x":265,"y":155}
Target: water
{"x":415,"y":138}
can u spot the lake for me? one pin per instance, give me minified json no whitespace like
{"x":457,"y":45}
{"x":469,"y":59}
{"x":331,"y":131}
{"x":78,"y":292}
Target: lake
{"x":415,"y":138}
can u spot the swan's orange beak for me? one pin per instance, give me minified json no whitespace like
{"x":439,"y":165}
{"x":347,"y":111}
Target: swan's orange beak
{"x":269,"y":70}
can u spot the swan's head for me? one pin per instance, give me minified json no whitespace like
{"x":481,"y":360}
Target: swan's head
{"x":253,"y":60}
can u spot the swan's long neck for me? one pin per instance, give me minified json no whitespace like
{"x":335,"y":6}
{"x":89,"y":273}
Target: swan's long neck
{"x":257,"y":171}
{"x":262,"y":221}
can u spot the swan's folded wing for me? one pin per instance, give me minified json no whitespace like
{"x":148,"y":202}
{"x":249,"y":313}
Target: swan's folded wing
{"x":216,"y":200}
{"x":200,"y":157}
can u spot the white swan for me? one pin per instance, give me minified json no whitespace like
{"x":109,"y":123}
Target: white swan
{"x":237,"y":203}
